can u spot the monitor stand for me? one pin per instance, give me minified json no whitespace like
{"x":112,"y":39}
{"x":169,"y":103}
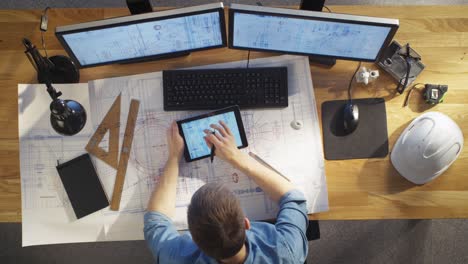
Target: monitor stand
{"x":144,"y":6}
{"x":161,"y":57}
{"x":317,"y":5}
{"x":312,"y":5}
{"x":139,"y":6}
{"x":322,"y":60}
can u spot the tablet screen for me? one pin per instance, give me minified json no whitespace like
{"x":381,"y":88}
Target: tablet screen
{"x":192,"y":130}
{"x":194,"y":135}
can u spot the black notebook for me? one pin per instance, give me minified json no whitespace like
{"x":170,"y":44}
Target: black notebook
{"x":82,"y":185}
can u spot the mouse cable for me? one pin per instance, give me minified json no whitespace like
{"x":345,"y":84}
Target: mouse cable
{"x":248,"y":59}
{"x":328,"y":9}
{"x":351,"y":81}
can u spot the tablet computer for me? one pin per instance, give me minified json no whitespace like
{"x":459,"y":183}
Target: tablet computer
{"x":191,"y":130}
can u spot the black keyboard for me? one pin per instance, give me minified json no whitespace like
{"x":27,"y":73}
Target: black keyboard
{"x":217,"y":88}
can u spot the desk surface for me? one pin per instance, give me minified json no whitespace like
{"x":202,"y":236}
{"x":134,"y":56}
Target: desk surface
{"x":358,"y":189}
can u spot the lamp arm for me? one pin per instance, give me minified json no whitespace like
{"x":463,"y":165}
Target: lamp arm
{"x":42,"y":65}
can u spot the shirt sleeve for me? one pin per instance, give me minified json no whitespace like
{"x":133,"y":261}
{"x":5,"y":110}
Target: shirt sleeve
{"x":165,"y":243}
{"x":291,"y":224}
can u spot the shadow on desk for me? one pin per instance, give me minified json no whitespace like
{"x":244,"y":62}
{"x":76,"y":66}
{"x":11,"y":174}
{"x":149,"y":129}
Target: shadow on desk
{"x":379,"y":177}
{"x":419,"y":106}
{"x":336,"y":88}
{"x":25,"y":99}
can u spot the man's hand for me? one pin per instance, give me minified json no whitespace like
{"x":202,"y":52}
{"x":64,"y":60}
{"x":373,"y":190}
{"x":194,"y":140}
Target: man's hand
{"x":175,"y":142}
{"x":164,"y":196}
{"x":224,"y":142}
{"x":271,"y":182}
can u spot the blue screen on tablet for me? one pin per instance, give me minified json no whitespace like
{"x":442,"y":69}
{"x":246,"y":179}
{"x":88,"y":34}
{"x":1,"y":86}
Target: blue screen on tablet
{"x":194,"y":135}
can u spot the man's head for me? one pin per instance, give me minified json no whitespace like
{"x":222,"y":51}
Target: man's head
{"x":216,"y":221}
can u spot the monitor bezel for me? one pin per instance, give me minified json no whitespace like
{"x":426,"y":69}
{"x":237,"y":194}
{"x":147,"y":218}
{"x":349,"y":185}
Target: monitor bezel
{"x":102,"y":24}
{"x":311,"y":15}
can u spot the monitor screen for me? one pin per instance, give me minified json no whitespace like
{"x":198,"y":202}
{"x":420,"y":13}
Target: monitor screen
{"x":309,"y":33}
{"x":133,"y":38}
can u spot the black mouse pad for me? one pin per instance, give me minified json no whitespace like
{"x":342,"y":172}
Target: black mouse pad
{"x":369,"y":140}
{"x":82,"y":185}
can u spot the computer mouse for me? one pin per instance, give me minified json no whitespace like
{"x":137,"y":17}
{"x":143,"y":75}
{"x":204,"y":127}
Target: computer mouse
{"x":350,"y":117}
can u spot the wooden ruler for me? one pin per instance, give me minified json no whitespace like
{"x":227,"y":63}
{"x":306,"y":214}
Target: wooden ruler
{"x":111,"y":123}
{"x":125,"y":154}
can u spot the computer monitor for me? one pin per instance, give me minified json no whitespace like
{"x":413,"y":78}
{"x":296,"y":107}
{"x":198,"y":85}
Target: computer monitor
{"x":301,"y":32}
{"x":145,"y":36}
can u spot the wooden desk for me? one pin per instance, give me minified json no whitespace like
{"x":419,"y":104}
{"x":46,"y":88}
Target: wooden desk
{"x":358,"y":189}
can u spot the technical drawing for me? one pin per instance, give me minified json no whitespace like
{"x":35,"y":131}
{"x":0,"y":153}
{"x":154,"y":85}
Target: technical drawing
{"x":146,"y":38}
{"x":308,"y":36}
{"x":295,"y":153}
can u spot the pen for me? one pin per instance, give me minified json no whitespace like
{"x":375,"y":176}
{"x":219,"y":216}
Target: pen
{"x":212,"y":150}
{"x":253,"y":155}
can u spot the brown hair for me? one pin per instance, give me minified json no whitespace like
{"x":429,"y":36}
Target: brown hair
{"x":216,"y":221}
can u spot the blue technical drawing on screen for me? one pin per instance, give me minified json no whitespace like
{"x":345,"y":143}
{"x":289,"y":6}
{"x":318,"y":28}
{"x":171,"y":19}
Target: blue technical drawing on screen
{"x":146,"y":39}
{"x":194,"y":135}
{"x":308,"y":36}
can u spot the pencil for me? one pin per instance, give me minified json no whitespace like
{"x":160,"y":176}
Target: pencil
{"x":256,"y":157}
{"x":212,"y":150}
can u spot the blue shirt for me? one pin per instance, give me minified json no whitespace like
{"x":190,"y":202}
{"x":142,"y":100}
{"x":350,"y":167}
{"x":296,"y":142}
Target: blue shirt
{"x":283,"y":242}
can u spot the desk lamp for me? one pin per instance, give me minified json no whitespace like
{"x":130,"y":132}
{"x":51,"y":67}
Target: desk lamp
{"x":67,"y":117}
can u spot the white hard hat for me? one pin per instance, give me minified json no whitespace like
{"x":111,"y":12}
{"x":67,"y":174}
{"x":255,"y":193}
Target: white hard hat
{"x":427,"y":147}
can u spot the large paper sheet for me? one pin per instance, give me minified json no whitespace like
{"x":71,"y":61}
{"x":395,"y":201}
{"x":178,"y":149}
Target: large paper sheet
{"x":47,"y":214}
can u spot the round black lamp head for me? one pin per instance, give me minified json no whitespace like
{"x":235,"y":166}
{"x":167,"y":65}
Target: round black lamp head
{"x":67,"y":117}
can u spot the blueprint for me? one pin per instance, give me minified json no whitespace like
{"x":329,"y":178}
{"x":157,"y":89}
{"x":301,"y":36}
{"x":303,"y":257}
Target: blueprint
{"x":308,"y":36}
{"x":146,"y":39}
{"x":47,"y":215}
